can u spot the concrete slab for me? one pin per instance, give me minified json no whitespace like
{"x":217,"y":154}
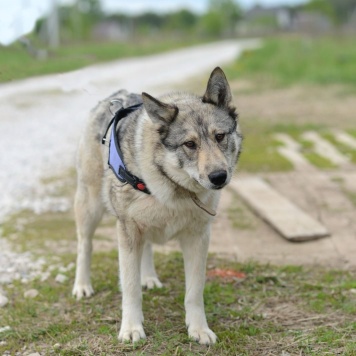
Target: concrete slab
{"x":345,"y":138}
{"x":291,"y":151}
{"x":284,"y":216}
{"x":325,"y":149}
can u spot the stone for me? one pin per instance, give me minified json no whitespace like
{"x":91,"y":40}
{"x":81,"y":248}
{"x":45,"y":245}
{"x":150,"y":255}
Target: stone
{"x":5,"y":328}
{"x":31,"y":293}
{"x":61,"y":278}
{"x":3,"y":300}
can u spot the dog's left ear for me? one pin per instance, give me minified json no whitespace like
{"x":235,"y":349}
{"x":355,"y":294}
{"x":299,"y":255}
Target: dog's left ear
{"x":218,"y":90}
{"x":159,"y":111}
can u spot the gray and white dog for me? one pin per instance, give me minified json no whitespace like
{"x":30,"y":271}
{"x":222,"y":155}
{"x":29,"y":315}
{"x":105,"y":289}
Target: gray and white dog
{"x":185,"y":149}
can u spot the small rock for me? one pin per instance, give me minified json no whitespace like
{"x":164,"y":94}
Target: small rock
{"x":61,"y":278}
{"x":353,"y":290}
{"x":57,"y":346}
{"x":3,"y":343}
{"x":3,"y":300}
{"x":31,"y":293}
{"x":34,"y":354}
{"x":70,"y":266}
{"x":62,"y":269}
{"x":5,"y":328}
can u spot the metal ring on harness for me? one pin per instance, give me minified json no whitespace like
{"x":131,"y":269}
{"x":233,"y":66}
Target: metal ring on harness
{"x":112,"y":103}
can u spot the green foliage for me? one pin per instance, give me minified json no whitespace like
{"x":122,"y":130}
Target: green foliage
{"x":221,"y":18}
{"x":288,"y":61}
{"x":211,"y":24}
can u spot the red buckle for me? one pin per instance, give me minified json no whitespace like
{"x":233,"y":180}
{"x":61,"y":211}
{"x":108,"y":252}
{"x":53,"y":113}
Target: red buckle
{"x":140,"y":186}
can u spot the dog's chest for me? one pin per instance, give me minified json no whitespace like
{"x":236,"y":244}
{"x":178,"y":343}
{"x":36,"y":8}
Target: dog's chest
{"x":161,"y":223}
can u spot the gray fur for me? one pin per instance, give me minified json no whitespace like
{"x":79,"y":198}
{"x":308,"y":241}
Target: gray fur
{"x":171,"y":143}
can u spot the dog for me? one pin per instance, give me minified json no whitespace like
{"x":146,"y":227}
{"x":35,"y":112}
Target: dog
{"x":181,"y":150}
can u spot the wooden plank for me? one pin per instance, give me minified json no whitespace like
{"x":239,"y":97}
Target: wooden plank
{"x":285,"y":217}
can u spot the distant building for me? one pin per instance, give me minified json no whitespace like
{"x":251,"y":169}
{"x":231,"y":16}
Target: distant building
{"x":266,"y":20}
{"x":308,"y":21}
{"x":110,"y":30}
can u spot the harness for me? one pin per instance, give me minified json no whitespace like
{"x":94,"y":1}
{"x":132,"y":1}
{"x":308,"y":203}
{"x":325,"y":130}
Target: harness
{"x":116,"y":161}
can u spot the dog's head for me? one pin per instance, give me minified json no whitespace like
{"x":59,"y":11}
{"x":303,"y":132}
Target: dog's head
{"x":199,"y":135}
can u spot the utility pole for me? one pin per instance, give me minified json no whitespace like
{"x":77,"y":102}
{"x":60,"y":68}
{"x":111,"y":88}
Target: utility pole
{"x":53,"y":25}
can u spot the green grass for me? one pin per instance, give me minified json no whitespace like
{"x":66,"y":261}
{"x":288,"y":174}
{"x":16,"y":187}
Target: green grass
{"x":260,"y":147}
{"x":16,"y":63}
{"x":344,"y":149}
{"x":299,"y":60}
{"x":259,"y":152}
{"x":294,"y":309}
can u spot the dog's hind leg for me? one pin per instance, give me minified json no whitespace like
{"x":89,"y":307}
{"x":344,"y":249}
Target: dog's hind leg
{"x":88,"y":213}
{"x":149,"y":277}
{"x":195,"y":253}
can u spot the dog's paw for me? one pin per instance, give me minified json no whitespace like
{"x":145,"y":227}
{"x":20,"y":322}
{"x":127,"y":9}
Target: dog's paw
{"x":133,"y":334}
{"x":82,"y":290}
{"x":150,"y":282}
{"x":204,"y":335}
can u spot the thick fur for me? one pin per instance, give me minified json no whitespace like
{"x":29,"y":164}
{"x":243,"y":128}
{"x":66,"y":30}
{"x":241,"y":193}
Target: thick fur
{"x":155,"y":142}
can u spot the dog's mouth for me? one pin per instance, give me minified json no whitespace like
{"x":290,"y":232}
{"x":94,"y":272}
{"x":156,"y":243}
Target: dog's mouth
{"x":210,"y":186}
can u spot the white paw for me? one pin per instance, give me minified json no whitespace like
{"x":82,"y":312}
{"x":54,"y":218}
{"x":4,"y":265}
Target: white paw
{"x":133,"y":334}
{"x":81,"y":290}
{"x":204,"y":335}
{"x":150,"y":282}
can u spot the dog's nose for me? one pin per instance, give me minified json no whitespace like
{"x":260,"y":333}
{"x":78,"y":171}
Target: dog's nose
{"x":218,"y":177}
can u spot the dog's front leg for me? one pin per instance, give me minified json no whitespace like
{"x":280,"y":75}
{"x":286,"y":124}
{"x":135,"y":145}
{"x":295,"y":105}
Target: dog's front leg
{"x":130,"y":253}
{"x":195,"y":252}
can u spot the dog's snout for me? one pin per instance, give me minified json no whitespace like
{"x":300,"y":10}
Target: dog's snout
{"x":218,"y":177}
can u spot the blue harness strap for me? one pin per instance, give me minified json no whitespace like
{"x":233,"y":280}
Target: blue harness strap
{"x":115,"y":161}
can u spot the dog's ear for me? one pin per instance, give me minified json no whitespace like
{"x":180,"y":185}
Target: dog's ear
{"x":158,"y":111}
{"x":218,"y":90}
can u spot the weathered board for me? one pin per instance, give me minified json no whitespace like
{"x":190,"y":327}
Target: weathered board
{"x":285,"y":217}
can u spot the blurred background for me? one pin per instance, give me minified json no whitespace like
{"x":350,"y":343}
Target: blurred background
{"x":45,"y":36}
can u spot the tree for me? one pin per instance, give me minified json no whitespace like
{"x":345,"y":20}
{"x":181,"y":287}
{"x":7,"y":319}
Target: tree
{"x":221,"y":18}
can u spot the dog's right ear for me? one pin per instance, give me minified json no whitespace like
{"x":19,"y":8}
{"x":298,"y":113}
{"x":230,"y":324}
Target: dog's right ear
{"x":159,"y":112}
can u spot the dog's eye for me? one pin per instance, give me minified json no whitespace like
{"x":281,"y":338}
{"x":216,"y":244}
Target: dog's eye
{"x":190,"y":144}
{"x":219,"y":137}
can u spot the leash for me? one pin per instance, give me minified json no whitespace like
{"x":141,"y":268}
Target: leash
{"x":201,"y":205}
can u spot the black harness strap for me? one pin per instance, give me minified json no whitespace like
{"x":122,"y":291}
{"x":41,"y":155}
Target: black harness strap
{"x":115,"y":160}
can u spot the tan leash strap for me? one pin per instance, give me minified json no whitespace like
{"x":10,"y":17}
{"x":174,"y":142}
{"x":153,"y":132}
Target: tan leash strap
{"x":201,"y":205}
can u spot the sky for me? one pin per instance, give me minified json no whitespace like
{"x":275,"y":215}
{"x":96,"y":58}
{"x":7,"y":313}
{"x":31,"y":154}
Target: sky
{"x":18,"y":17}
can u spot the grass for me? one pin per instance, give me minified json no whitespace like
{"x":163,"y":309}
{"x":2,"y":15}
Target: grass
{"x":299,"y":60}
{"x":245,"y":315}
{"x":260,"y":147}
{"x":16,"y":63}
{"x":344,"y":149}
{"x":260,"y":150}
{"x":276,"y":309}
